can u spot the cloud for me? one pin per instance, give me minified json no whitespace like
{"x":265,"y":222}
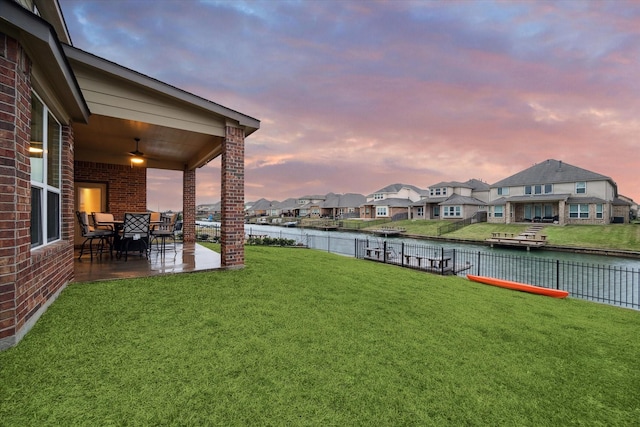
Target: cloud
{"x":353,"y":96}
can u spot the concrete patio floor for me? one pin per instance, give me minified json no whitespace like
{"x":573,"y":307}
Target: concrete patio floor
{"x":189,"y":257}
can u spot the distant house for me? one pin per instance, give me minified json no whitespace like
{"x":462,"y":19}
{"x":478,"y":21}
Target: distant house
{"x":258,"y":208}
{"x":392,"y":200}
{"x":309,"y":206}
{"x":452,"y":200}
{"x":557,"y":192}
{"x":341,"y":206}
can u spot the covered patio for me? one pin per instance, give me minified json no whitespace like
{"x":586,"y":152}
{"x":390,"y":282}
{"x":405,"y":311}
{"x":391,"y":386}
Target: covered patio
{"x":186,"y":258}
{"x":135,"y":117}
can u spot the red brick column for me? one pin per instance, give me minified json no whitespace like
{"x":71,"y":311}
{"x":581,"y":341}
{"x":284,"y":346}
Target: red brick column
{"x":189,"y":206}
{"x":15,"y":198}
{"x":232,"y":178}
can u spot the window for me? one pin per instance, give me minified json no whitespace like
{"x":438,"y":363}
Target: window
{"x":527,"y":189}
{"x":436,"y":211}
{"x":599,"y":212}
{"x":498,"y":211}
{"x":381,"y":211}
{"x":503,"y":191}
{"x":579,"y":211}
{"x":378,"y":196}
{"x":420,"y":211}
{"x":581,"y":187}
{"x":548,"y":188}
{"x":45,"y":158}
{"x":537,"y":189}
{"x":452,"y":211}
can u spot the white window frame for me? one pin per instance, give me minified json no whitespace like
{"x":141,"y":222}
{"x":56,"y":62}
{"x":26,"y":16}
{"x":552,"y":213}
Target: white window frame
{"x":454,"y":211}
{"x":382,"y":211}
{"x":599,"y":211}
{"x":420,"y":211}
{"x":498,"y":211}
{"x":581,"y":187}
{"x":503,"y":191}
{"x":378,"y":196}
{"x":579,"y":211}
{"x":44,"y":187}
{"x":548,"y":188}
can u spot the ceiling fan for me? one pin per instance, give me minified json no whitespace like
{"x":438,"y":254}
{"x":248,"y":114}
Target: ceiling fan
{"x":137,"y":154}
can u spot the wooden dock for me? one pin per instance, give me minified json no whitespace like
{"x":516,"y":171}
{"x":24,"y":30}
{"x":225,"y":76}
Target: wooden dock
{"x":530,"y":238}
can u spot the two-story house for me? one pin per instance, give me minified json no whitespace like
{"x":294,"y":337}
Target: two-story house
{"x":452,"y":200}
{"x":557,"y":192}
{"x":392,"y":200}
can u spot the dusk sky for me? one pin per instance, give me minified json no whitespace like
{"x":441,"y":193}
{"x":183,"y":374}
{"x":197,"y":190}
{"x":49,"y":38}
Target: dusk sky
{"x":356,"y":95}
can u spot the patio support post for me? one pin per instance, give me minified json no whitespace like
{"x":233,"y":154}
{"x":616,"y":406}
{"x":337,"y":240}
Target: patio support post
{"x":232,"y":179}
{"x":189,"y":206}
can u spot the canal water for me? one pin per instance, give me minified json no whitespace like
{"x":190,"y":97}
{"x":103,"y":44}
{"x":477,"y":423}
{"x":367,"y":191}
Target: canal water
{"x":344,"y":243}
{"x":607,"y":279}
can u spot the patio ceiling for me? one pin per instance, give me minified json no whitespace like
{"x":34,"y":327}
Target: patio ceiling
{"x":177,"y":130}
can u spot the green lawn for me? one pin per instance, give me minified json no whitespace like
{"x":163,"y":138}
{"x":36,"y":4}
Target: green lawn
{"x":302,"y":337}
{"x":611,"y":236}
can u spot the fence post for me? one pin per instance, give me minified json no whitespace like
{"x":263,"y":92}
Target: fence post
{"x":384,"y":252}
{"x":557,"y":274}
{"x":453,"y":262}
{"x":402,"y":254}
{"x":478,"y":271}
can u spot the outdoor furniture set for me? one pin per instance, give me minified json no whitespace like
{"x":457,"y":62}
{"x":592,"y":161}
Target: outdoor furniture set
{"x":136,"y":232}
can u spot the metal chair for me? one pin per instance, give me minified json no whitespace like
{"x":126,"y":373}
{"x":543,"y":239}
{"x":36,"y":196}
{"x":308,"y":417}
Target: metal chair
{"x":135,"y":229}
{"x":165,"y":230}
{"x":90,"y":234}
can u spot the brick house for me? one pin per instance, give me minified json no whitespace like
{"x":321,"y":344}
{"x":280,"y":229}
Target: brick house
{"x":557,"y":192}
{"x":68,"y":123}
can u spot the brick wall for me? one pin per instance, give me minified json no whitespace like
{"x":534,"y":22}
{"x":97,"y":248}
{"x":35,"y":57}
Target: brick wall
{"x":232,"y":177}
{"x":126,"y":185}
{"x":189,"y":206}
{"x":30,"y":280}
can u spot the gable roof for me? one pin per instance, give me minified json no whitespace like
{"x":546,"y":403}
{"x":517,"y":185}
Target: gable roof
{"x":394,"y":188}
{"x":457,"y":199}
{"x":551,"y":172}
{"x":344,"y":200}
{"x":477,"y":185}
{"x":392,"y":202}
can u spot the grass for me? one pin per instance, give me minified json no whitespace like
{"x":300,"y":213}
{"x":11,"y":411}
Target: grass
{"x":611,"y":236}
{"x":303,"y":337}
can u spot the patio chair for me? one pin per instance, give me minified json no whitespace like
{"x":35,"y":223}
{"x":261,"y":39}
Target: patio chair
{"x":135,"y":229}
{"x":90,"y":234}
{"x":165,"y":230}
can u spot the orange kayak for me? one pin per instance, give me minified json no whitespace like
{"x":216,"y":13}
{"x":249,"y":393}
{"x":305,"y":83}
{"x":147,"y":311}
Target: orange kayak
{"x":555,"y":293}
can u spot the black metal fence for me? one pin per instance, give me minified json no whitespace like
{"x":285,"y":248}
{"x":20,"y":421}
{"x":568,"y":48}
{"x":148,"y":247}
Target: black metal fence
{"x":619,"y":286}
{"x":612,"y":285}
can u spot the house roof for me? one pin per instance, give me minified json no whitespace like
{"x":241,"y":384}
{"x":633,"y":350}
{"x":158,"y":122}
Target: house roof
{"x":391,"y":202}
{"x":394,"y":188}
{"x":177,"y":130}
{"x":477,"y":185}
{"x":457,"y":199}
{"x":344,"y":200}
{"x":457,"y":184}
{"x":551,"y":172}
{"x":52,"y":76}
